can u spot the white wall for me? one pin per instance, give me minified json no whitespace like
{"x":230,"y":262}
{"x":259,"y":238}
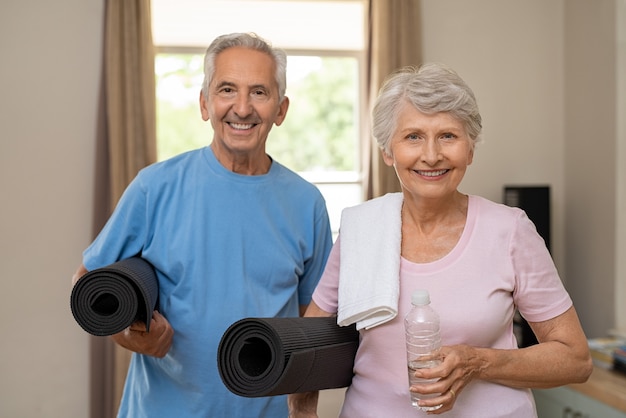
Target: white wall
{"x":591,"y":163}
{"x":511,"y":54}
{"x":620,"y":293}
{"x":49,"y":80}
{"x":544,"y":73}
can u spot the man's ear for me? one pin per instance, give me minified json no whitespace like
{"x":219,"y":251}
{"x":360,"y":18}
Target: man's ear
{"x":282,"y":111}
{"x":204,"y":110}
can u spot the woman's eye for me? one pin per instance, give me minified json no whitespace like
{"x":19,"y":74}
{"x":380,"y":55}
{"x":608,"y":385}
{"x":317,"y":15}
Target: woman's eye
{"x":413,"y":137}
{"x":448,"y":136}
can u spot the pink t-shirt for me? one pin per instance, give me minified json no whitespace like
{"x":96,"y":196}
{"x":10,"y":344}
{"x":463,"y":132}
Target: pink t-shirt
{"x":499,"y":263}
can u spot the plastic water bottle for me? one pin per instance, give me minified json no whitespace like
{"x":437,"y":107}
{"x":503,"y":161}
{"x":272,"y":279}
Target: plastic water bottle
{"x":423,"y":342}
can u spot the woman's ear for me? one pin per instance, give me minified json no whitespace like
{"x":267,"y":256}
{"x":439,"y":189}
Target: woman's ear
{"x":387,"y":158}
{"x":470,"y":154}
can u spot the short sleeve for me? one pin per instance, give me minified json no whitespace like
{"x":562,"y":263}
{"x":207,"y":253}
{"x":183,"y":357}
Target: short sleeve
{"x":125,"y":232}
{"x":326,"y":292}
{"x":321,"y":243}
{"x":539,"y":292}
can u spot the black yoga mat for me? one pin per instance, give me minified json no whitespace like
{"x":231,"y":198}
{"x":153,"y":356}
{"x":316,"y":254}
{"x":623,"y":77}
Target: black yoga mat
{"x":276,"y":356}
{"x":107,"y":300}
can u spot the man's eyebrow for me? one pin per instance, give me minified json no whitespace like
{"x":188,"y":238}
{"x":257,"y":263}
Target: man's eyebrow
{"x":224,"y":84}
{"x":231,"y":84}
{"x":259,"y":86}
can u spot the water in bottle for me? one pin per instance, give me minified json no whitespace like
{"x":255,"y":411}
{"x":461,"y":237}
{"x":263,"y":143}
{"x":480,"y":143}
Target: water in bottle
{"x":422,"y":342}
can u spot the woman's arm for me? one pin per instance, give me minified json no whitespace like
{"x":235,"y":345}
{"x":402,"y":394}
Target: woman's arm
{"x":561,"y":357}
{"x":304,"y":405}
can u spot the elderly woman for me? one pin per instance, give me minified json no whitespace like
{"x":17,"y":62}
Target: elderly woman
{"x":479,"y":260}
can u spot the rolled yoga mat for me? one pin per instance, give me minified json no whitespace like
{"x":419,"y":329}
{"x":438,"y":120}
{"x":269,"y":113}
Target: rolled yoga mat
{"x":105,"y":301}
{"x":277,"y":356}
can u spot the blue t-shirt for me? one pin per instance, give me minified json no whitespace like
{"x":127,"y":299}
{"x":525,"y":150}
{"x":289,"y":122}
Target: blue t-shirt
{"x":225,"y":246}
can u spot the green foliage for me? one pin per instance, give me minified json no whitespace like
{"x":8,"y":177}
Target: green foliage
{"x":180,"y":129}
{"x":320,"y":132}
{"x":180,"y":126}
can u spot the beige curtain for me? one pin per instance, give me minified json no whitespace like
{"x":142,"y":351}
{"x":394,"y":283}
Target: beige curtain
{"x":127,"y":141}
{"x":394,"y":42}
{"x":130,"y":90}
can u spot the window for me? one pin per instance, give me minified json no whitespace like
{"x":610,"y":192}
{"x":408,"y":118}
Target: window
{"x":320,"y":136}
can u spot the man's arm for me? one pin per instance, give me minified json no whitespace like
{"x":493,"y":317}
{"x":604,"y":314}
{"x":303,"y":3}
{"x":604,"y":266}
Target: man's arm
{"x":80,"y":272}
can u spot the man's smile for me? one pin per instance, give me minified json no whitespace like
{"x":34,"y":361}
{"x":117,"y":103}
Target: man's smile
{"x":241,"y":126}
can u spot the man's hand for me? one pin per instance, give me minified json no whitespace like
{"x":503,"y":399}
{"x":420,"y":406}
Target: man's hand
{"x":155,"y":343}
{"x":80,"y":272}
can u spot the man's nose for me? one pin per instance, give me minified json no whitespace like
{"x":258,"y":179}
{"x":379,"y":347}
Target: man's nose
{"x":243,"y":105}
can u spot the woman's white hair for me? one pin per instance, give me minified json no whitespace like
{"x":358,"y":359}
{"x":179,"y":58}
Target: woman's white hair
{"x":431,"y":88}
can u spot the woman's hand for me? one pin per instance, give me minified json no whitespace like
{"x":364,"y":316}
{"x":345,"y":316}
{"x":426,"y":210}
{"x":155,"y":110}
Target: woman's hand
{"x":156,"y":342}
{"x":458,"y":367}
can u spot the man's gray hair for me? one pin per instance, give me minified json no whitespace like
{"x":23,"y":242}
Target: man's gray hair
{"x":246,"y":40}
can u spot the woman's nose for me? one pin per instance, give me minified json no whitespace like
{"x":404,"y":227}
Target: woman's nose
{"x":431,"y":152}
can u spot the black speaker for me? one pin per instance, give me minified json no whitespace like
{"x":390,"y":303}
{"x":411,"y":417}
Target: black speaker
{"x":535,"y":201}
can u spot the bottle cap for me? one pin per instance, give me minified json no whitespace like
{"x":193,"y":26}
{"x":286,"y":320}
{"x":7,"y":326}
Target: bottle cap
{"x":420,"y":297}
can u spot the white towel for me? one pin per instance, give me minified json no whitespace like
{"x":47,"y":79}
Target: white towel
{"x":369,"y":277}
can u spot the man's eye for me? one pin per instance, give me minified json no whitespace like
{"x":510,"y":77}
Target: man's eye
{"x":225,"y":91}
